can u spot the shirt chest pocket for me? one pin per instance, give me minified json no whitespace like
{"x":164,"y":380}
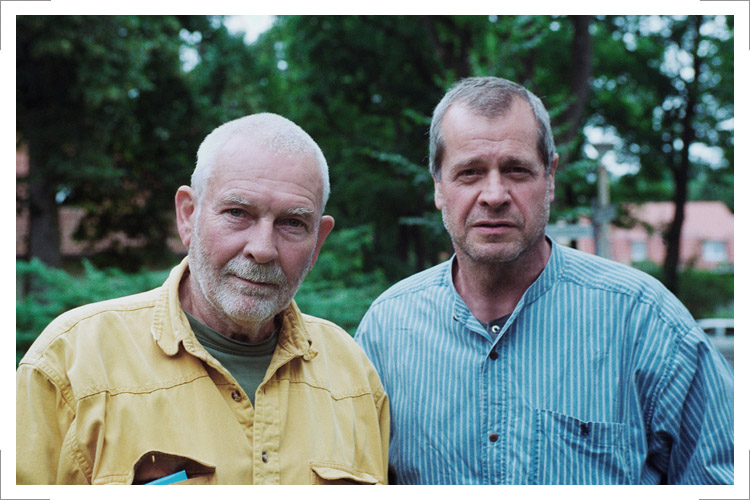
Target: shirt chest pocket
{"x":571,"y":451}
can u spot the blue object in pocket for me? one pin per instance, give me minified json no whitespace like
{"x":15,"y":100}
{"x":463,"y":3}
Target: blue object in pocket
{"x":172,"y":478}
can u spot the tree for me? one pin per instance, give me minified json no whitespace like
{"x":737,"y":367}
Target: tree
{"x":109,"y":122}
{"x":665,"y":85}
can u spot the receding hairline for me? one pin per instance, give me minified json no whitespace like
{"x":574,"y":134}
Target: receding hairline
{"x":277,"y":134}
{"x":489,"y":97}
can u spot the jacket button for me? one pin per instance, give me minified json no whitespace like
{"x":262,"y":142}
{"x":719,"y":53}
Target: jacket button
{"x":236,"y":396}
{"x":264,"y":457}
{"x":494,"y":437}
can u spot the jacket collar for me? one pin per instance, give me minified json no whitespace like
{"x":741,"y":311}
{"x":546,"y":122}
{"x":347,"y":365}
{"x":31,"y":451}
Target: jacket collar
{"x":170,"y":326}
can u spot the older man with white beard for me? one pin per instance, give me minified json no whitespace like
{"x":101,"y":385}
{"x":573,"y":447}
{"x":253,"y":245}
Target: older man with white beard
{"x":216,"y":377}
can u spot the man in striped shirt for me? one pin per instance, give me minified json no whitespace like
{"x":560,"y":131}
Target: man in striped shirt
{"x":519,"y":361}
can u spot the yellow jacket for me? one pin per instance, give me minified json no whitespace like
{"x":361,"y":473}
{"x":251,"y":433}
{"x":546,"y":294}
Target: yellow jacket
{"x":115,"y":388}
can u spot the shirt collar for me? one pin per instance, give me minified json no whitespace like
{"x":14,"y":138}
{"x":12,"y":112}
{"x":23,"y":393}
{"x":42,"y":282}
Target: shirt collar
{"x":552,"y":271}
{"x":170,"y":326}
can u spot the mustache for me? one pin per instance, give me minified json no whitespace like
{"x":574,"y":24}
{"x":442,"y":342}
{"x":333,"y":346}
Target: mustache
{"x":260,"y":273}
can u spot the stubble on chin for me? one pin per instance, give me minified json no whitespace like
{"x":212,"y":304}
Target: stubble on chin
{"x":499,"y":250}
{"x":229,"y":298}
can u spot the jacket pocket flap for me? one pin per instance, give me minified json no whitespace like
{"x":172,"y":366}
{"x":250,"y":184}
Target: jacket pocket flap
{"x":329,"y":473}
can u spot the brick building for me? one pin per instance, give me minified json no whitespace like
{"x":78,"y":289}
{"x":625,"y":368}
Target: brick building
{"x":707,"y":235}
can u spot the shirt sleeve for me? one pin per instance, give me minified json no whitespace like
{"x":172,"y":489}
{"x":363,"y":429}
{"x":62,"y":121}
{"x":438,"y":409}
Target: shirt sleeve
{"x":692,"y":424}
{"x":43,"y":418}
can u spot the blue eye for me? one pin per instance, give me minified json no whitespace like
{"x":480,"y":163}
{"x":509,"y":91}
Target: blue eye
{"x":296,"y":223}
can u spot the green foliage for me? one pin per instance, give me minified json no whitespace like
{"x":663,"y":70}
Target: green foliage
{"x":341,"y":287}
{"x":56,"y":291}
{"x":706,"y":294}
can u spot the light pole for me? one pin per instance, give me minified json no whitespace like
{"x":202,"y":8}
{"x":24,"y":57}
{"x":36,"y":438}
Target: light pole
{"x":603,"y":211}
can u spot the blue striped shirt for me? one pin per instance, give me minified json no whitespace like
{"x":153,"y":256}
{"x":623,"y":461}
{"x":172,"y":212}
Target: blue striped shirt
{"x":599,"y":376}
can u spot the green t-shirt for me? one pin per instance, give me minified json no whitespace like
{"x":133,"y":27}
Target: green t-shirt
{"x":246,"y":362}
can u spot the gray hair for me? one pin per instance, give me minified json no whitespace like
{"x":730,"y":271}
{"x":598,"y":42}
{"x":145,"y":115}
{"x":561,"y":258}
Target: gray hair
{"x":277,"y":133}
{"x":489,"y":97}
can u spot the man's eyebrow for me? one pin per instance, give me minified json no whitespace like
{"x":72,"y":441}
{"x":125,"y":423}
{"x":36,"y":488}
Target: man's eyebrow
{"x":301,"y":211}
{"x":236,"y":200}
{"x":512,"y":161}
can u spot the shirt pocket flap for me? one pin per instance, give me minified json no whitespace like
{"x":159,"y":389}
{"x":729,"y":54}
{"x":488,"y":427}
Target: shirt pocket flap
{"x":330,"y":473}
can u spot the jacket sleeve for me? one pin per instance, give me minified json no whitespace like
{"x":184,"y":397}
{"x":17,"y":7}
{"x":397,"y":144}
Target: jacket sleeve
{"x":385,"y":432}
{"x":692,"y":439}
{"x":43,"y":419}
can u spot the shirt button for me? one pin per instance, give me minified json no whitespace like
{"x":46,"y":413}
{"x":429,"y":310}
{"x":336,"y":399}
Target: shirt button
{"x":494,"y":437}
{"x":495,"y":329}
{"x":264,"y":457}
{"x":493,"y":355}
{"x":236,"y":396}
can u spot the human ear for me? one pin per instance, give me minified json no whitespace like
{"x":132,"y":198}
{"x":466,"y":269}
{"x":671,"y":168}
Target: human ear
{"x":438,"y":193}
{"x":324,"y":229}
{"x":186,"y":205}
{"x":551,"y":180}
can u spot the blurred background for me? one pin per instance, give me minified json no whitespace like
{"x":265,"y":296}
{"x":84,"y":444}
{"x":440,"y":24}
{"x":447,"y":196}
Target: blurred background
{"x":111,"y":110}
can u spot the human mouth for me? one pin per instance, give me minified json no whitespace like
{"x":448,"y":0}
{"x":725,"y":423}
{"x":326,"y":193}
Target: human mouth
{"x":493,"y":225}
{"x":254,"y":281}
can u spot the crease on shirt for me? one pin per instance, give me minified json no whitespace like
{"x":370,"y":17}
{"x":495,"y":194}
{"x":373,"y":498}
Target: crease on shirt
{"x":337,"y":395}
{"x":79,"y":457}
{"x":117,"y":391}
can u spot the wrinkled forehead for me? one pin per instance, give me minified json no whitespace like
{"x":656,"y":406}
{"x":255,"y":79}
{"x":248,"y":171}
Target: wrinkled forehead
{"x":248,"y":160}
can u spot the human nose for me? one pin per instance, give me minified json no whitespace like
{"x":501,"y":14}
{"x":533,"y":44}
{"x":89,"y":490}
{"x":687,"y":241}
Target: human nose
{"x":494,"y":192}
{"x":261,"y":243}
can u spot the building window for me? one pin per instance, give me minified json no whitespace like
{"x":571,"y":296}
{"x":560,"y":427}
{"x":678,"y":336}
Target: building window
{"x":638,"y":251}
{"x":714,"y":251}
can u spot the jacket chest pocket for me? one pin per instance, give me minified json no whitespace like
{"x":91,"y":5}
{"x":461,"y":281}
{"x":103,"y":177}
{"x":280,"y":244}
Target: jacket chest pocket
{"x":572,"y":451}
{"x":155,"y":465}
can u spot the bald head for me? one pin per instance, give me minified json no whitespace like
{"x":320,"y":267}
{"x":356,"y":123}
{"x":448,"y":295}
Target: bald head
{"x":270,"y":131}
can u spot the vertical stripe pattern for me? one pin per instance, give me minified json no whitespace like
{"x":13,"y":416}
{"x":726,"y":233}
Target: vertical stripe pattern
{"x":600,"y":376}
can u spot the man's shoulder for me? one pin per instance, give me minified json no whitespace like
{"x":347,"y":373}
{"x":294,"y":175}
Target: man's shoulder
{"x":341,"y":359}
{"x":317,"y":326}
{"x":329,"y":338}
{"x":619,"y":280}
{"x":84,"y":324}
{"x":597,"y":272}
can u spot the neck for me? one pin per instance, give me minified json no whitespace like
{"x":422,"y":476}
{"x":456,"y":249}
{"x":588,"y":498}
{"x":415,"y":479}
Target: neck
{"x":251,"y":332}
{"x":493,"y":289}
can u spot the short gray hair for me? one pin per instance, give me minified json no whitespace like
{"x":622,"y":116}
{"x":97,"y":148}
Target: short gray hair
{"x":271,"y":130}
{"x":490,"y":97}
